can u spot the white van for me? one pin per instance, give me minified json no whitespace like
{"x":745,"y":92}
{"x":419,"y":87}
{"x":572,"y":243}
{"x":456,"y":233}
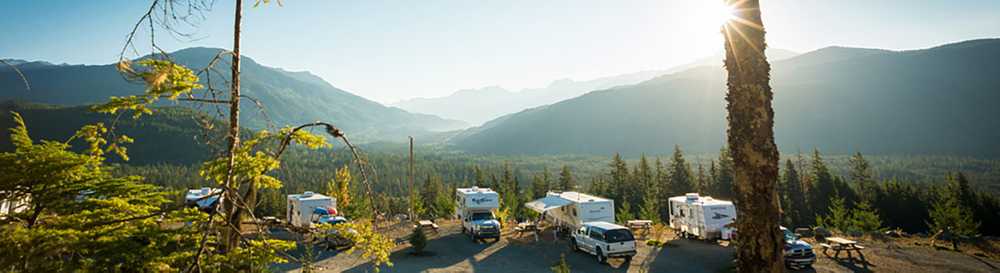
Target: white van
{"x":702,"y":217}
{"x":604,"y":240}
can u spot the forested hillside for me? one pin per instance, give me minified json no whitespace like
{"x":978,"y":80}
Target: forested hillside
{"x":841,"y":100}
{"x":288,"y":98}
{"x":171,"y":136}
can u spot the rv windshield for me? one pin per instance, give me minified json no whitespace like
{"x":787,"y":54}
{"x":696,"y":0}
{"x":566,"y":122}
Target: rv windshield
{"x":618,"y":235}
{"x":481,"y":216}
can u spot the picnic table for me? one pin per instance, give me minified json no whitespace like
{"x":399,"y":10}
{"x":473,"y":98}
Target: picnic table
{"x":427,"y":224}
{"x":527,"y":227}
{"x":840,"y":244}
{"x":637,"y":225}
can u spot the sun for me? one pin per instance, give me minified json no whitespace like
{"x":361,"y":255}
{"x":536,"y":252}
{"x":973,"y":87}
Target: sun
{"x":713,"y":13}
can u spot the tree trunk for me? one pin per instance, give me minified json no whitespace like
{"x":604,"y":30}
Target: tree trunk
{"x":232,"y":189}
{"x":751,"y":140}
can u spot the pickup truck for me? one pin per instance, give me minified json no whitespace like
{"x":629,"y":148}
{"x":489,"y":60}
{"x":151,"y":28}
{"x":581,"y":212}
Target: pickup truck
{"x":604,"y":240}
{"x":481,"y":225}
{"x":798,"y":254}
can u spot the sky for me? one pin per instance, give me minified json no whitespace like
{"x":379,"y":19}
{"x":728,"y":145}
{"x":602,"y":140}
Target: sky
{"x":393,"y":50}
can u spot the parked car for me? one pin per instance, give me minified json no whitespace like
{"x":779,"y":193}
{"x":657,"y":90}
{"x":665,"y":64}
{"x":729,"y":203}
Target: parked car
{"x":604,"y":240}
{"x":798,"y":254}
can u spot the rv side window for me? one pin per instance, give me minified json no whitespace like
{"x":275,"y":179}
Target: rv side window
{"x":596,"y":234}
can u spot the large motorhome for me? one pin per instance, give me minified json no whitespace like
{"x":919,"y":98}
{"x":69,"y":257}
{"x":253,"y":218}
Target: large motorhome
{"x":570,"y":209}
{"x":475,"y":208}
{"x":702,"y":217}
{"x":303,"y":209}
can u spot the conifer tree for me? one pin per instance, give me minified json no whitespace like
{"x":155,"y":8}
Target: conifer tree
{"x":793,"y":197}
{"x":624,"y":213}
{"x":862,"y":177}
{"x":824,"y":186}
{"x":681,"y":179}
{"x":725,"y":177}
{"x":566,"y":180}
{"x":751,"y":138}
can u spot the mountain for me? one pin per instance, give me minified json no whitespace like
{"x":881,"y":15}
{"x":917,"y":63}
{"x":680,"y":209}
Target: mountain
{"x":476,"y":106}
{"x":939,"y":100}
{"x":288,"y":98}
{"x":170,"y":127}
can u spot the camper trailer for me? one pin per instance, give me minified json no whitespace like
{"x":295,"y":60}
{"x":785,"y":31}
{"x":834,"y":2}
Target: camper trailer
{"x":702,"y":217}
{"x":475,"y":208}
{"x":569,"y":210}
{"x":306,"y":208}
{"x":204,"y":198}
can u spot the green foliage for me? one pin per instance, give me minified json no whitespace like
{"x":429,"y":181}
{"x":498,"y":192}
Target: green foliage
{"x":839,"y":217}
{"x":681,"y":179}
{"x":374,"y":246}
{"x":650,"y":209}
{"x":865,"y":219}
{"x":79,"y":217}
{"x":624,"y":213}
{"x":418,"y":240}
{"x":566,"y":180}
{"x":163,"y":79}
{"x":561,"y":266}
{"x":950,"y":214}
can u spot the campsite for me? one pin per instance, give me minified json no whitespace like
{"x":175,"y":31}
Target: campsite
{"x":454,"y":252}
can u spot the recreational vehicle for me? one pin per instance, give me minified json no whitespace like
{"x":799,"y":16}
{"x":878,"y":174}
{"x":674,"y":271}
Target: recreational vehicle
{"x":204,"y":198}
{"x":306,"y":208}
{"x":569,"y":210}
{"x":702,"y":217}
{"x":475,"y":210}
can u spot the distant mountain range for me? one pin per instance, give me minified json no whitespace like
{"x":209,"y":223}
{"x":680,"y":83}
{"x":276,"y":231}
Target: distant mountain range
{"x":941,"y":100}
{"x":288,"y":98}
{"x":476,"y":106}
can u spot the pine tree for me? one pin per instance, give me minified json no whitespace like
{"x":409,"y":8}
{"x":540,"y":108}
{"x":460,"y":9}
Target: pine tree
{"x":619,"y":175}
{"x":538,"y":188}
{"x":700,"y":180}
{"x":865,"y":219}
{"x":824,"y":187}
{"x":793,"y":196}
{"x":751,"y":136}
{"x":566,"y":180}
{"x":681,"y":179}
{"x":838,"y":218}
{"x":862,"y":177}
{"x":726,"y":176}
{"x":950,"y":215}
{"x":650,"y":209}
{"x":624,"y":213}
{"x":662,"y":178}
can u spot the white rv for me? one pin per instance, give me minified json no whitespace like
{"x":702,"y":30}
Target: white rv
{"x":702,"y":217}
{"x":306,"y":208}
{"x":203,"y":198}
{"x":570,"y":209}
{"x":475,"y":208}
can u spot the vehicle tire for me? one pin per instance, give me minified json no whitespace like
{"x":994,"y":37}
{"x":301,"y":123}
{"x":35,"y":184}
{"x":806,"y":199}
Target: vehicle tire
{"x":600,"y":257}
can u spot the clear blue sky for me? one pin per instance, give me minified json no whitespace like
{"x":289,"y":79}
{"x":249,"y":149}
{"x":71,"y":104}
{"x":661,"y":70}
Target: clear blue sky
{"x":392,"y":50}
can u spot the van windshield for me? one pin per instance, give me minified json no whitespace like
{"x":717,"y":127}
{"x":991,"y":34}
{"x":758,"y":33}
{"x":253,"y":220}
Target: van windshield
{"x":480,"y":216}
{"x":618,"y":235}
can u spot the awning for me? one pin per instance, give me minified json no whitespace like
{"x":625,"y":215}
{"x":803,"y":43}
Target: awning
{"x":547,"y":203}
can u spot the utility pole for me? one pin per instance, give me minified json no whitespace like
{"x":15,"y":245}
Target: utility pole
{"x":410,"y":209}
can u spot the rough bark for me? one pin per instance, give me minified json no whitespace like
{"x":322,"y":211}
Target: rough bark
{"x":232,"y":190}
{"x":751,"y":140}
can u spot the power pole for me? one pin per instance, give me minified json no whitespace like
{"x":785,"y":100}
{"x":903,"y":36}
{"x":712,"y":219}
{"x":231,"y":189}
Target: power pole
{"x":410,"y":209}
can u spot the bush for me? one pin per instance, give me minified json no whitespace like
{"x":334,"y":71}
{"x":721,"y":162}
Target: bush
{"x":561,"y":266}
{"x":418,"y":240}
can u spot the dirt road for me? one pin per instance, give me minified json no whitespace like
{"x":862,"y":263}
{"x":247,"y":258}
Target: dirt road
{"x":451,"y":251}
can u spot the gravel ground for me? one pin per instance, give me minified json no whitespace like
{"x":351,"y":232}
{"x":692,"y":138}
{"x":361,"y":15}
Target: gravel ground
{"x":451,"y":251}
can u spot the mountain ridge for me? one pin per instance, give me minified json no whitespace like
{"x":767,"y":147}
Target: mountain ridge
{"x":886,"y":102}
